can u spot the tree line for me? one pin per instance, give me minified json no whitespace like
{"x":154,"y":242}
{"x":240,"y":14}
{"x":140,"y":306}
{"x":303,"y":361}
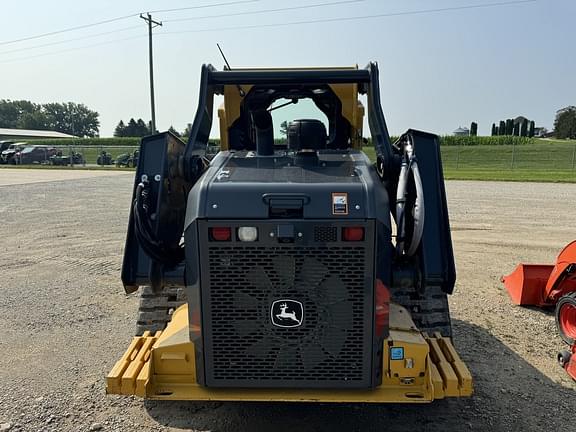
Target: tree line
{"x":520,"y":126}
{"x":140,"y":128}
{"x":68,"y":117}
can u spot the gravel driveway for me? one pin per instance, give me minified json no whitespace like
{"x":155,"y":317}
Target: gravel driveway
{"x":65,"y":319}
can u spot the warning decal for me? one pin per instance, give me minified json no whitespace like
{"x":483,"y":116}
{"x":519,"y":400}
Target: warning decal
{"x":340,"y":203}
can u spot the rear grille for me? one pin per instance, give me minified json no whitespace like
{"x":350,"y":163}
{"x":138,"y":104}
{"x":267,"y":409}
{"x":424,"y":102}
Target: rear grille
{"x":325,"y":234}
{"x":331,"y":347}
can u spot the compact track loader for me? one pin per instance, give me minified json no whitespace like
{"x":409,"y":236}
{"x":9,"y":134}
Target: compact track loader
{"x":290,"y":272}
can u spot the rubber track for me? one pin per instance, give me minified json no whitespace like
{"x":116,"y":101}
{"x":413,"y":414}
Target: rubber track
{"x":155,"y":310}
{"x":430,"y":311}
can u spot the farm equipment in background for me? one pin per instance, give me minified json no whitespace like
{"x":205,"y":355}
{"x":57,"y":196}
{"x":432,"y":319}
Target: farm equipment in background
{"x":128,"y":160}
{"x":74,"y":158}
{"x":105,"y":158}
{"x":546,"y":285}
{"x":271,"y":272}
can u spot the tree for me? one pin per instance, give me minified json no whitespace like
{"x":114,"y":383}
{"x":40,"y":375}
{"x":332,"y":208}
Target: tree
{"x":531,"y":129}
{"x":120,"y":130}
{"x":12,"y":111}
{"x":524,"y":128}
{"x":502,"y":128}
{"x":284,"y":128}
{"x":141,"y":128}
{"x":36,"y":120}
{"x":494,"y":129}
{"x":174,"y":131}
{"x":565,"y":123}
{"x":187,"y":131}
{"x":516,"y":129}
{"x":474,"y":129}
{"x":72,"y":118}
{"x":131,"y":128}
{"x":509,"y":127}
{"x":68,"y":117}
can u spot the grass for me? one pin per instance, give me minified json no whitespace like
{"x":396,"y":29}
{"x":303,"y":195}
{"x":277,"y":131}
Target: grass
{"x":542,"y":161}
{"x":516,"y":175}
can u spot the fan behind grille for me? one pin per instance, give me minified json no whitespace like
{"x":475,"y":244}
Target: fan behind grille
{"x":244,"y":348}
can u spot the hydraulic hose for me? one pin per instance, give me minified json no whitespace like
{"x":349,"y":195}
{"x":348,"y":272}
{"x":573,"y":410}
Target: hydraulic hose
{"x":419,"y":211}
{"x":409,"y":166}
{"x":155,"y":249}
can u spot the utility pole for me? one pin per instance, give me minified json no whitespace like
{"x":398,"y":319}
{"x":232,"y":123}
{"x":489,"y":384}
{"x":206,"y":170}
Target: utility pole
{"x":150,"y":21}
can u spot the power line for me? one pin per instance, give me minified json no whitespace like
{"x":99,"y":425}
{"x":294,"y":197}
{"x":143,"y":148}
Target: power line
{"x":317,"y":5}
{"x":111,"y":20}
{"x":205,"y":6}
{"x":69,"y":40}
{"x":84,"y":47}
{"x":69,"y":29}
{"x":319,"y":21}
{"x":354,"y":18}
{"x":266,"y":10}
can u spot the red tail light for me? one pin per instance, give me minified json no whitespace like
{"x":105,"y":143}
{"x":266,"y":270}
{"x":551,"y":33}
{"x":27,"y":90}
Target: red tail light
{"x":221,"y":233}
{"x":382,"y":307}
{"x":353,"y":234}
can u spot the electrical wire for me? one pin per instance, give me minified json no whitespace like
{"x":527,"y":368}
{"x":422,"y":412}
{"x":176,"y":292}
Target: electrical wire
{"x":189,"y":19}
{"x":354,"y":18}
{"x":205,"y":6}
{"x":83,"y":47}
{"x":71,"y":40}
{"x":285,"y":24}
{"x":123,"y":17}
{"x":335,"y":3}
{"x":69,"y":29}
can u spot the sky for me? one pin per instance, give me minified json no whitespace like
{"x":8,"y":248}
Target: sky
{"x":438,"y":70}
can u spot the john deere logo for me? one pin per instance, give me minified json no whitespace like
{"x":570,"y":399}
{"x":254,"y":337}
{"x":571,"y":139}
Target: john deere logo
{"x":287,"y":313}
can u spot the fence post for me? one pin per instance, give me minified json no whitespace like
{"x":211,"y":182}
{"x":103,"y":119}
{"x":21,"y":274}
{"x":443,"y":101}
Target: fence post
{"x":574,"y":156}
{"x":513,"y":151}
{"x":458,"y":156}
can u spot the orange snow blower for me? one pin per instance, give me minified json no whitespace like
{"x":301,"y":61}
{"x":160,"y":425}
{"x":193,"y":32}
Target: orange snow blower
{"x":547,"y":286}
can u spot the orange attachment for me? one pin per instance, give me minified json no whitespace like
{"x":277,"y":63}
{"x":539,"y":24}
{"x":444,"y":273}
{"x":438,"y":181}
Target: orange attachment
{"x":542,"y":284}
{"x":527,"y":283}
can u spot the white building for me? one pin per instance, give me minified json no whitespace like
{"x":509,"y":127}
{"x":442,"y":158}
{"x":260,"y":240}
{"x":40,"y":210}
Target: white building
{"x":461,"y":131}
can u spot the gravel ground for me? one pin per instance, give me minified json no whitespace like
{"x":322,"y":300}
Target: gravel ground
{"x":65,"y":319}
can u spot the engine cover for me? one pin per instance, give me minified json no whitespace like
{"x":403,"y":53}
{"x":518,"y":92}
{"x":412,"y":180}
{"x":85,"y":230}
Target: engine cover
{"x":295,"y":306}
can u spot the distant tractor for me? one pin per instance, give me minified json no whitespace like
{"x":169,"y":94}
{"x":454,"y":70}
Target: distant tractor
{"x":128,"y":160}
{"x":74,"y":158}
{"x":105,"y":158}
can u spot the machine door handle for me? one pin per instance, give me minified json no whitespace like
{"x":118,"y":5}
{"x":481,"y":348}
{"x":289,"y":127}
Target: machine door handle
{"x":277,"y":198}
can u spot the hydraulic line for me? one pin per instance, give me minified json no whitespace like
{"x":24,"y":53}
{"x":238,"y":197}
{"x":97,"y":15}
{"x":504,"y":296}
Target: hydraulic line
{"x":155,"y":249}
{"x":409,"y":166}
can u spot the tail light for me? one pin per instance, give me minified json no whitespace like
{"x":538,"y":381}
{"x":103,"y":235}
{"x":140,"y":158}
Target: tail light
{"x":382,"y":307}
{"x":221,"y":233}
{"x":353,"y":233}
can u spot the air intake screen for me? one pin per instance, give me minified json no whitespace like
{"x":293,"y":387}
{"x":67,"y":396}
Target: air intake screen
{"x":257,"y":335}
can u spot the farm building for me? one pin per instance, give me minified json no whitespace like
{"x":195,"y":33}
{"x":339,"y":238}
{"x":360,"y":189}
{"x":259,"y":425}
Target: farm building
{"x":461,"y":131}
{"x":11,"y":134}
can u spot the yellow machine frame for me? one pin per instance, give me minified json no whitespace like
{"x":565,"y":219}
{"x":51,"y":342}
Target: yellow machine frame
{"x":161,"y":366}
{"x":352,"y":108}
